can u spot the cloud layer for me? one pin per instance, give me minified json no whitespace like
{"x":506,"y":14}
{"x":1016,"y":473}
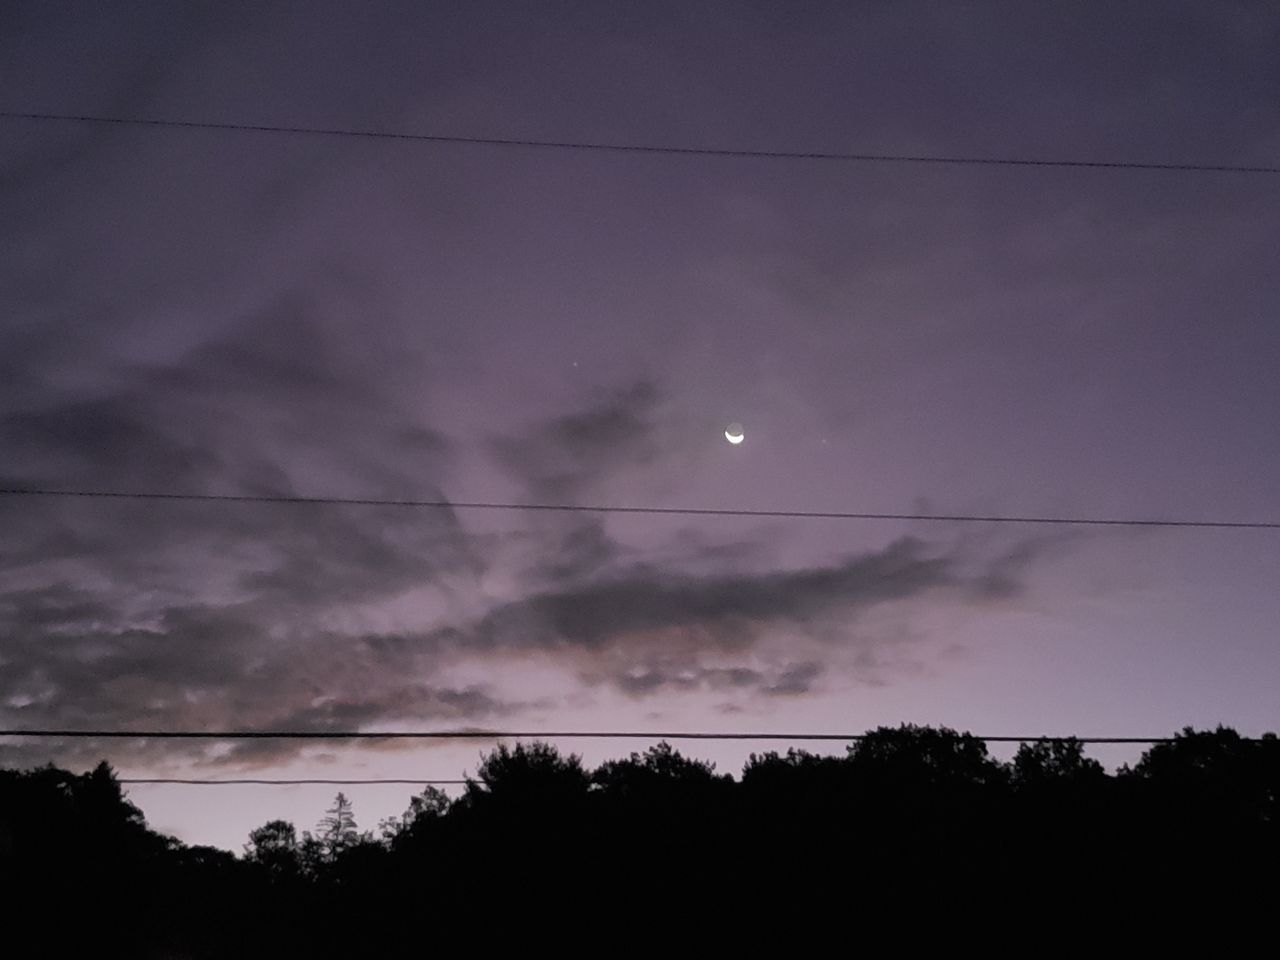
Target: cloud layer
{"x":216,"y":616}
{"x":186,"y":311}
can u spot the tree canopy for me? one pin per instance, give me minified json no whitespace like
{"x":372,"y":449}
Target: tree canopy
{"x":920,"y":808}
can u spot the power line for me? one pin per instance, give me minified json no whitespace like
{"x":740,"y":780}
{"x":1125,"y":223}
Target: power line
{"x":515,"y":735}
{"x":661,"y":511}
{"x":596,"y":146}
{"x":284,"y":783}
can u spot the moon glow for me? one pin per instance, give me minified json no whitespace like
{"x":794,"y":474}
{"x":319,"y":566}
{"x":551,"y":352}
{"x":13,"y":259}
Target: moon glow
{"x":733,"y":433}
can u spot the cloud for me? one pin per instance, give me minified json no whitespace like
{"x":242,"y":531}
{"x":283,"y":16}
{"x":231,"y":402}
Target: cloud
{"x":644,"y":599}
{"x":118,"y":613}
{"x":209,"y":668}
{"x":276,"y":617}
{"x":653,"y":679}
{"x":796,"y":679}
{"x":646,"y":630}
{"x":791,"y":679}
{"x":567,"y":455}
{"x":570,"y":459}
{"x":277,"y":659}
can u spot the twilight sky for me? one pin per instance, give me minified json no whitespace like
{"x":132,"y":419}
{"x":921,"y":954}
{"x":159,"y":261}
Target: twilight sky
{"x":215,"y":312}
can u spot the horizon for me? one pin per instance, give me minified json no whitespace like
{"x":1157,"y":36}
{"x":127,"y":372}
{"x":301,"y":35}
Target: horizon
{"x":389,"y":799}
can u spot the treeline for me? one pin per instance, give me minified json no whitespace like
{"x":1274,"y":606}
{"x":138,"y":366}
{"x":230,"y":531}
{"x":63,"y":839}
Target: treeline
{"x":907,"y":815}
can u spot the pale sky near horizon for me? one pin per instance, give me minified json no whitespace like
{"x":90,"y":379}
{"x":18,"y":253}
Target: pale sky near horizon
{"x":206,"y":311}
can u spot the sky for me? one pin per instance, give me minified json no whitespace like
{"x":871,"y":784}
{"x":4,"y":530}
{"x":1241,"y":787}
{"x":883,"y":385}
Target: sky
{"x":217,"y":312}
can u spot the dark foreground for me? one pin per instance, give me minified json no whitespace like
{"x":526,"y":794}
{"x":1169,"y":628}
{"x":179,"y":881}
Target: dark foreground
{"x":914,"y":831}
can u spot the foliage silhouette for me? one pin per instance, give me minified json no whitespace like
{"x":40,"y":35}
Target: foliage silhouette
{"x":337,"y":832}
{"x":907,"y":815}
{"x":274,"y":846}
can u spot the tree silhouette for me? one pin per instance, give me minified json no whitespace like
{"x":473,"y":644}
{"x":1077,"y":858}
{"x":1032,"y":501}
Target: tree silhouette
{"x":1054,"y":762}
{"x":924,"y":759}
{"x":1213,"y":783}
{"x":660,"y":766}
{"x":907,"y":819}
{"x":275,"y":846}
{"x":526,"y":808}
{"x":337,"y":831}
{"x":431,"y":804}
{"x":527,"y":770}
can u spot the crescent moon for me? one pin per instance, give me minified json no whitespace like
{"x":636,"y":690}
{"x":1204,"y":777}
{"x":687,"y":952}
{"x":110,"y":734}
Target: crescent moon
{"x":734,"y":434}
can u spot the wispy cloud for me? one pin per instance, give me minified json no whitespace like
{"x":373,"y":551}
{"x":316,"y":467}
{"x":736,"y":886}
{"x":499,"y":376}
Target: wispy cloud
{"x":192,"y":617}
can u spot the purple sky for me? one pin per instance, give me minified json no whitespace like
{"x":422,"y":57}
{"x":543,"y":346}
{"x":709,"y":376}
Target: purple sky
{"x":213,"y":312}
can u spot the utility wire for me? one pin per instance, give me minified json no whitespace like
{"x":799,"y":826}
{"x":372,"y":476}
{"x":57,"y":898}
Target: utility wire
{"x":644,"y":148}
{"x":662,"y":511}
{"x":513,"y":735}
{"x":282,"y":783}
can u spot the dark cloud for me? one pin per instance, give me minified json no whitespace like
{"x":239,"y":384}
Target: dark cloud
{"x":733,"y":608}
{"x":570,"y":459}
{"x":204,"y":616}
{"x":667,"y":677}
{"x":207,"y":615}
{"x":645,"y":630}
{"x":118,"y":628}
{"x":100,"y":439}
{"x":1005,"y":574}
{"x":204,"y":668}
{"x":796,"y":679}
{"x":568,"y":455}
{"x":654,"y":679}
{"x":582,"y":551}
{"x":268,"y":660}
{"x":54,"y":605}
